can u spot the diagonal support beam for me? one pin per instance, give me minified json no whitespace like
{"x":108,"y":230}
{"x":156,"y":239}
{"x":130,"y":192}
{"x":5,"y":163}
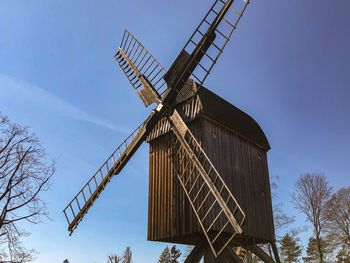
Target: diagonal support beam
{"x":196,"y":253}
{"x":203,"y":250}
{"x":260,"y":253}
{"x":227,"y":255}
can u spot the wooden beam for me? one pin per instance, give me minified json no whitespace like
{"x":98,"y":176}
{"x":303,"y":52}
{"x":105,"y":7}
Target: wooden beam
{"x":209,"y":256}
{"x":260,"y":253}
{"x":229,"y":255}
{"x":196,"y":254}
{"x":275,"y":252}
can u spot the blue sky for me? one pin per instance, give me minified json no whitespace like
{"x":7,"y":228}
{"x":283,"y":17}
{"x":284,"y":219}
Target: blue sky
{"x":287,"y":65}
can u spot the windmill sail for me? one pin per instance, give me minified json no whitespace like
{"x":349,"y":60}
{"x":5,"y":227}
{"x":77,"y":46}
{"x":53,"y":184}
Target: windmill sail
{"x":203,"y":186}
{"x":143,"y":71}
{"x":80,"y":204}
{"x":206,"y":44}
{"x":210,"y":198}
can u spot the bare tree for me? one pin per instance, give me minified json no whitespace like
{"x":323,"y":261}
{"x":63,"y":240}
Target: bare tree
{"x":127,"y":256}
{"x":310,"y":197}
{"x":114,"y":259}
{"x":282,"y":222}
{"x":338,"y":215}
{"x":24,"y":175}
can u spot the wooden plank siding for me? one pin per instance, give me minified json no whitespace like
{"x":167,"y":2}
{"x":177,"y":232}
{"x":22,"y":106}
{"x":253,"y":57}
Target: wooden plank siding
{"x":169,"y":211}
{"x":243,"y":167}
{"x":237,"y":147}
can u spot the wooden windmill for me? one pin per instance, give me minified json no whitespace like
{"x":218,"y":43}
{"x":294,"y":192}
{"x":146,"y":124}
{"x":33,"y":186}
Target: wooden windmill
{"x":209,"y":182}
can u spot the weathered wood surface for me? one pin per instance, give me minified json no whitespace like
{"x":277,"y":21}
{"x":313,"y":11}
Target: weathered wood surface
{"x":169,"y":211}
{"x":243,"y":167}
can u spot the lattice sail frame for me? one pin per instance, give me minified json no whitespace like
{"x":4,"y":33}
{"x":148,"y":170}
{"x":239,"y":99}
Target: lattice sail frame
{"x":143,"y":71}
{"x":222,"y":20}
{"x":147,"y":76}
{"x":80,"y":204}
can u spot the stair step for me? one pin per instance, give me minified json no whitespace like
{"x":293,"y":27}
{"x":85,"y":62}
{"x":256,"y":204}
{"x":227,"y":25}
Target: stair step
{"x":205,"y":188}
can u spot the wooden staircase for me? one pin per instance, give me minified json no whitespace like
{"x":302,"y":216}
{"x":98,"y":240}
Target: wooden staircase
{"x":209,"y":197}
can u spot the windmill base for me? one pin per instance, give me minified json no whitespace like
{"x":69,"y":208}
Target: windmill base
{"x":229,"y":255}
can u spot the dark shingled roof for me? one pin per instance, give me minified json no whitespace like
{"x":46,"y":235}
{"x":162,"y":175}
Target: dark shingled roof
{"x":220,"y":110}
{"x":207,"y":103}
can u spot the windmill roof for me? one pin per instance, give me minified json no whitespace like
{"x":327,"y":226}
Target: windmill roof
{"x":220,"y":110}
{"x":206,"y":103}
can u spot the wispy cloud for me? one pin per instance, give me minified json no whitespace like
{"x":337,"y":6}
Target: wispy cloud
{"x":25,"y":92}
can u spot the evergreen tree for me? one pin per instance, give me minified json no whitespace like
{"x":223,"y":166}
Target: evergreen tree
{"x":311,"y":252}
{"x":290,"y":249}
{"x":174,"y":254}
{"x":165,"y":257}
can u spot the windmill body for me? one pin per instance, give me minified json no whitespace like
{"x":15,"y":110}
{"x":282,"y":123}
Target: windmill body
{"x":209,"y":183}
{"x":236,"y":145}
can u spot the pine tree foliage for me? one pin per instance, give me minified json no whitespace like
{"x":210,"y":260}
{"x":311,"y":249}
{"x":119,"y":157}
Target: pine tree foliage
{"x":312,"y":252}
{"x":175,"y":254}
{"x":290,"y":249}
{"x":165,"y":256}
{"x":170,"y":255}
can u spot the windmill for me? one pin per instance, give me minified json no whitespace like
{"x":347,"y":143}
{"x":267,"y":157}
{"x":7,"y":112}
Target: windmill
{"x":190,"y":201}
